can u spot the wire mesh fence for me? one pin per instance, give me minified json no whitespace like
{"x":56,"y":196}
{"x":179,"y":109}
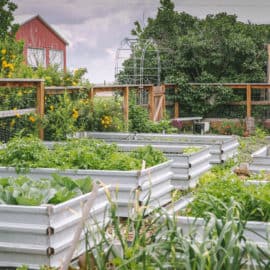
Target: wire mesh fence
{"x":17,"y":111}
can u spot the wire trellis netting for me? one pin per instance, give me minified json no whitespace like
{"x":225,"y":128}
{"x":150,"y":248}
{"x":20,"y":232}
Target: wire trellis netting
{"x":17,"y":111}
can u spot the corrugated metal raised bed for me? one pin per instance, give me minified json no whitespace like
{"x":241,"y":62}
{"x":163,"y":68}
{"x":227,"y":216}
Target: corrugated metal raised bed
{"x":260,"y":160}
{"x":221,"y":147}
{"x":42,"y":235}
{"x":255,"y":231}
{"x":153,"y":182}
{"x":186,"y":168}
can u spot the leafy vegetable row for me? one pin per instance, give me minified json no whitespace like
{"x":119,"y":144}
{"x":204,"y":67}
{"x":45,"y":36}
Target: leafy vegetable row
{"x":30,"y":152}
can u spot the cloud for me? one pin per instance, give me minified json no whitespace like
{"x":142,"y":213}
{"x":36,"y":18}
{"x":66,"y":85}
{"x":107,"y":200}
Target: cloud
{"x":95,"y":28}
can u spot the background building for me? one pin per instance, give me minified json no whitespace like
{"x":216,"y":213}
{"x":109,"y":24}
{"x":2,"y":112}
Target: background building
{"x":43,"y":46}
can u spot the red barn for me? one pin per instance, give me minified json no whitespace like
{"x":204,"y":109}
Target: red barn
{"x":42,"y":44}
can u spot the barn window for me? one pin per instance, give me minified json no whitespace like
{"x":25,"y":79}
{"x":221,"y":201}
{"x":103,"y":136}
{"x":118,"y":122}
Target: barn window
{"x":36,"y":57}
{"x":57,"y":58}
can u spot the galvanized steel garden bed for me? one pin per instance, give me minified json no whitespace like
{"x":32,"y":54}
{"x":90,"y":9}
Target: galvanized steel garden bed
{"x":255,"y":231}
{"x":186,"y":168}
{"x":260,"y":160}
{"x":221,"y":147}
{"x":125,"y":185}
{"x":42,"y":235}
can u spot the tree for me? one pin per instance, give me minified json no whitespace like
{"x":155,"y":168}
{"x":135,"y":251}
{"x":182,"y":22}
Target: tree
{"x":218,"y":48}
{"x":7,"y":27}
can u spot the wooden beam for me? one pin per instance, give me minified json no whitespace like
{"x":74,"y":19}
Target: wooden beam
{"x":258,"y":102}
{"x":10,"y":113}
{"x":91,"y":94}
{"x":248,"y":92}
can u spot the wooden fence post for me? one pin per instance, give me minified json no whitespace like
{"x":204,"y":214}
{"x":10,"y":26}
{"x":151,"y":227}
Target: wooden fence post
{"x":151,"y":102}
{"x":41,"y":105}
{"x":248,"y":89}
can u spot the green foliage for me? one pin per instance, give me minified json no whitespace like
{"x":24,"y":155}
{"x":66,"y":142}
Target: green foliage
{"x":149,"y":154}
{"x":60,"y":119}
{"x":7,"y":27}
{"x":218,"y":48}
{"x":228,"y":127}
{"x":139,"y":119}
{"x":26,"y":191}
{"x":158,"y":242}
{"x":106,"y":114}
{"x":217,"y":190}
{"x":24,"y":153}
{"x":11,"y":56}
{"x":53,"y":76}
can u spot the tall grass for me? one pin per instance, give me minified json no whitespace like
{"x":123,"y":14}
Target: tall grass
{"x":156,"y":242}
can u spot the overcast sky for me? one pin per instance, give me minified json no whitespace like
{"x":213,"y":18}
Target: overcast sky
{"x":95,"y":28}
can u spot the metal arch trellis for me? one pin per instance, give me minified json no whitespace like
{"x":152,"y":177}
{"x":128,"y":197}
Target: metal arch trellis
{"x":136,"y":50}
{"x":126,"y":50}
{"x":147,"y":44}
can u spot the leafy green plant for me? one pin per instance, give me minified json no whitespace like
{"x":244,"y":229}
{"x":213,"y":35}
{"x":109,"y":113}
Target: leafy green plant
{"x":215,"y":196}
{"x":107,"y":114}
{"x":150,"y":155}
{"x":26,"y":191}
{"x":60,"y":120}
{"x":24,"y":153}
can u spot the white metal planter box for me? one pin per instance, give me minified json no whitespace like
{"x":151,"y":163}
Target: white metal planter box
{"x":186,"y":168}
{"x":42,"y":235}
{"x":255,"y":231}
{"x":221,"y":147}
{"x":260,"y":160}
{"x":154,"y":182}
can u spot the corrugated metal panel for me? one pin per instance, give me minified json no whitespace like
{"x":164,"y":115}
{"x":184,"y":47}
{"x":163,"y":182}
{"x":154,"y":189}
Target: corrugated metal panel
{"x":186,"y":168}
{"x":260,"y":160}
{"x":42,"y":235}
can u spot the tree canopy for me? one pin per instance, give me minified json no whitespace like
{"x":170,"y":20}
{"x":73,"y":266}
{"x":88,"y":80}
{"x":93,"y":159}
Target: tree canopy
{"x":7,"y":25}
{"x":218,"y":48}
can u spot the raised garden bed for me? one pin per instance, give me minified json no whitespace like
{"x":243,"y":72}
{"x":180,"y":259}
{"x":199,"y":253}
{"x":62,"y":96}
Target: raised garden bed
{"x":221,"y":147}
{"x":255,"y":231}
{"x":153,"y":182}
{"x":188,"y":162}
{"x":42,"y":235}
{"x":260,"y":160}
{"x":215,"y":197}
{"x":128,"y":185}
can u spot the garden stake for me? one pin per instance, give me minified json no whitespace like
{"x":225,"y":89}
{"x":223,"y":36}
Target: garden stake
{"x":78,"y":232}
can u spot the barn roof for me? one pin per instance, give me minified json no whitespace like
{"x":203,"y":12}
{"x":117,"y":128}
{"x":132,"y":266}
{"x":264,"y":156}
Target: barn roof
{"x":23,"y":19}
